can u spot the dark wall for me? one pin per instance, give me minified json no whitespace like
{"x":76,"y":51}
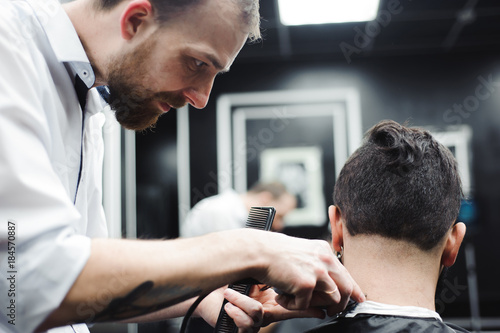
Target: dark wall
{"x":420,"y":90}
{"x":156,"y":163}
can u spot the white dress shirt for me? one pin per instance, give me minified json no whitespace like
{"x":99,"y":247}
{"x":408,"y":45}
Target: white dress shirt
{"x":55,"y":214}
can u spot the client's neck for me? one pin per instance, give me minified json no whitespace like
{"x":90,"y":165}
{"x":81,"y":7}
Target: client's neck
{"x":392,"y":272}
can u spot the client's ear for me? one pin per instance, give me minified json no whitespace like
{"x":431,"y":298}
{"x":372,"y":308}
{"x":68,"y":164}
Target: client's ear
{"x":453,"y":242}
{"x":337,"y":231}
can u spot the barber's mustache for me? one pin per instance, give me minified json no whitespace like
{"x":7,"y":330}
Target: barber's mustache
{"x":138,"y":97}
{"x":175,"y":100}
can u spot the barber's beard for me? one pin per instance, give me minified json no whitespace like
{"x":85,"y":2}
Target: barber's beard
{"x":136,"y":107}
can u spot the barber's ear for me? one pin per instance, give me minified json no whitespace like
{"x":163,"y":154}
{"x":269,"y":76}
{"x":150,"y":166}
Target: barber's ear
{"x":337,"y":230}
{"x":135,"y":16}
{"x":453,"y":242}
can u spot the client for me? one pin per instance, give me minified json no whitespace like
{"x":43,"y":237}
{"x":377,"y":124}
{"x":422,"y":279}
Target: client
{"x":394,"y":223}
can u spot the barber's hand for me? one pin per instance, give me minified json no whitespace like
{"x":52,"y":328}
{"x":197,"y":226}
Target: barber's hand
{"x":263,"y":307}
{"x":251,"y":312}
{"x":247,"y":313}
{"x":308,"y":273}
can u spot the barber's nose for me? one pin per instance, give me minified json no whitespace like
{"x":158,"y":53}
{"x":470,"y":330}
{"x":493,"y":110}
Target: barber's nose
{"x":198,"y":95}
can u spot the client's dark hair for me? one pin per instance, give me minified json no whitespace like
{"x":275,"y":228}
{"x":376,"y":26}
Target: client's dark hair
{"x":401,"y":184}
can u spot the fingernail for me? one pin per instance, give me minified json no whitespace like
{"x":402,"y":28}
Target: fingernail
{"x":229,"y":291}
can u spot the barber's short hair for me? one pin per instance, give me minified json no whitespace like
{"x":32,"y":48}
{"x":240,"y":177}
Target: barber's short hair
{"x":165,"y":9}
{"x":401,"y":184}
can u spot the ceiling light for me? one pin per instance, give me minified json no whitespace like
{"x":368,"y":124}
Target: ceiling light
{"x":299,"y":12}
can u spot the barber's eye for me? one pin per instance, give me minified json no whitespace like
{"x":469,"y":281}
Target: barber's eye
{"x":199,"y":63}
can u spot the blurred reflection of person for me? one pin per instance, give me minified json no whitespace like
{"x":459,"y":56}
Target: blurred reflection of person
{"x":229,"y":209}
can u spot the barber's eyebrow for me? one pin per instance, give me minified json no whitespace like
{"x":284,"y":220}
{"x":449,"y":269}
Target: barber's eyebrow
{"x":218,"y":66}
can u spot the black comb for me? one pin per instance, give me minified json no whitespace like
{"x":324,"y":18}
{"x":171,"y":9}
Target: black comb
{"x":259,"y":218}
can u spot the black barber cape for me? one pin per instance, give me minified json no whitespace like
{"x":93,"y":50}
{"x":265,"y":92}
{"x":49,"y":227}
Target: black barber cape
{"x":382,"y":318}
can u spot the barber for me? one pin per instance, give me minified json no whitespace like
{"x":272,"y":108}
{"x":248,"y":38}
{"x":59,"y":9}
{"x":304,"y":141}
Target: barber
{"x":153,"y":55}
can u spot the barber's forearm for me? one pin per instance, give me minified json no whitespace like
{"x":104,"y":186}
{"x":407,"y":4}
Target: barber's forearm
{"x":129,"y":278}
{"x":174,"y":311}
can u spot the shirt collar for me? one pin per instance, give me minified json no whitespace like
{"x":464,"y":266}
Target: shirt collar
{"x":375,"y":308}
{"x":63,"y":38}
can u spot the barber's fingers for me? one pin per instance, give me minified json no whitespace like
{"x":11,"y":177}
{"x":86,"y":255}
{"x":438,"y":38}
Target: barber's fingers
{"x":357,"y":294}
{"x":314,"y":276}
{"x":327,"y":288}
{"x":300,"y":297}
{"x":346,"y":284}
{"x":334,"y":287}
{"x":247,"y":313}
{"x":347,"y":289}
{"x":303,"y":268}
{"x":241,"y":319}
{"x":318,"y":299}
{"x":340,"y":281}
